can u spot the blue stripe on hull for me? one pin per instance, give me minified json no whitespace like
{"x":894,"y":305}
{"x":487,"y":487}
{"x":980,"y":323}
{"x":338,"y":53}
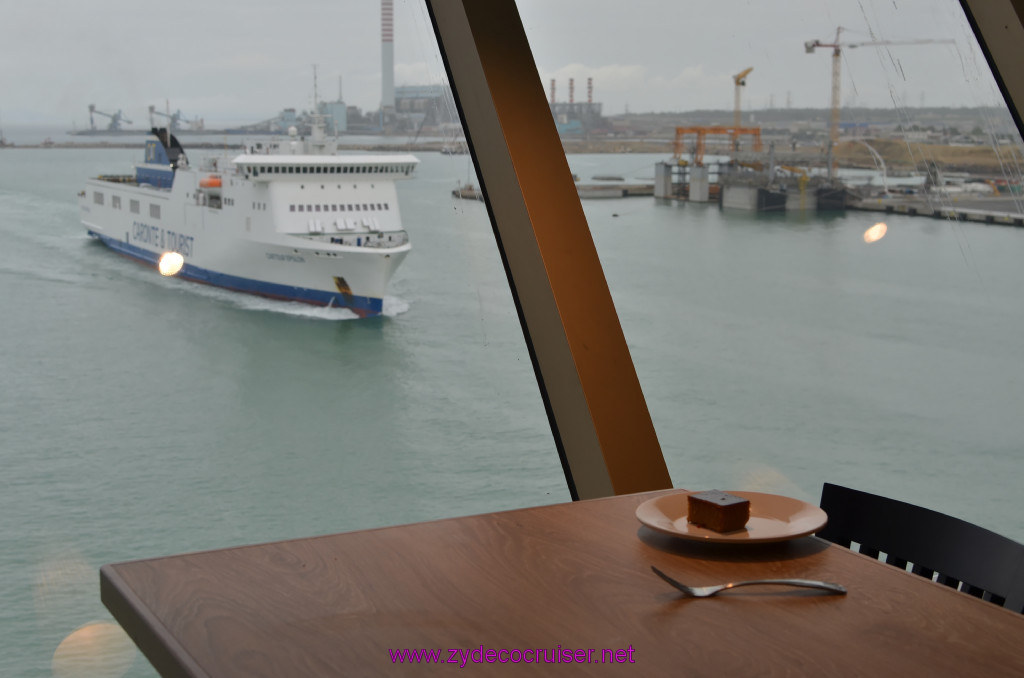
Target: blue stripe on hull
{"x":362,"y":306}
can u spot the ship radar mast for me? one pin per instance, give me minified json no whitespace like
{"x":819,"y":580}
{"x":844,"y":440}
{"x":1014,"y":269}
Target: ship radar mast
{"x":318,"y":143}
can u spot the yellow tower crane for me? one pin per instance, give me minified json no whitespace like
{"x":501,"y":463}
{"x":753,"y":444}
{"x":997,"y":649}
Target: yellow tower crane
{"x":740,"y":79}
{"x":837,"y":47}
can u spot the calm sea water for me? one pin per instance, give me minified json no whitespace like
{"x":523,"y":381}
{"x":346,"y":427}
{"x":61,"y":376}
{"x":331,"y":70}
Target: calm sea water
{"x":142,"y":416}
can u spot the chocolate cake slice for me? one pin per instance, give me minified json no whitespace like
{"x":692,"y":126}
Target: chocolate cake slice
{"x":717,"y":510}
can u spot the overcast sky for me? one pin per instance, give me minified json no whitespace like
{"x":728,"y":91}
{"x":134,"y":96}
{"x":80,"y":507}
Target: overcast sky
{"x":234,"y":61}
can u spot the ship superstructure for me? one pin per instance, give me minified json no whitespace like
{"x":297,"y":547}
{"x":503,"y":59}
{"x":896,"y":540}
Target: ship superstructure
{"x":287,"y":219}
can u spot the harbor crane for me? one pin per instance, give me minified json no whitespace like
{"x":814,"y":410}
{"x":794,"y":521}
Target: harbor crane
{"x":115,"y":119}
{"x":174,"y":119}
{"x":700,"y":135}
{"x":837,"y":48}
{"x":741,"y":80}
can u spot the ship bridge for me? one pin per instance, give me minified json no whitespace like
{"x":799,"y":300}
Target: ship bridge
{"x":262,"y":168}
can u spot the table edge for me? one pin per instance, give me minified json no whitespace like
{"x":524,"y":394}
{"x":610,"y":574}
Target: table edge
{"x":642,"y":496}
{"x":154,"y":640}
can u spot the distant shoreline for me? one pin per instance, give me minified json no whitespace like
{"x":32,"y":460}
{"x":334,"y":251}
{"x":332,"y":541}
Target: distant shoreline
{"x":210,"y":145}
{"x":898,"y":154}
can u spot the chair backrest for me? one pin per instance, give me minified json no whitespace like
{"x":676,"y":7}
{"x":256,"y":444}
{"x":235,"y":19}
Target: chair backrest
{"x":940,"y":547}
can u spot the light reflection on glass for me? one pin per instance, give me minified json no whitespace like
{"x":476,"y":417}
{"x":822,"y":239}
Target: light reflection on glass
{"x":170,"y":263}
{"x":57,"y":579}
{"x":875,"y":233}
{"x":757,"y":477}
{"x":98,"y":649}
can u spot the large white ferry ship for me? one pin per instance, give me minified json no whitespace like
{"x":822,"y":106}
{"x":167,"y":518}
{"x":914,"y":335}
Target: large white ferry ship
{"x":287,"y":219}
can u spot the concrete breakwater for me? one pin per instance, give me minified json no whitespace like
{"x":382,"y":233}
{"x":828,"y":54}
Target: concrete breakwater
{"x":1005,"y":210}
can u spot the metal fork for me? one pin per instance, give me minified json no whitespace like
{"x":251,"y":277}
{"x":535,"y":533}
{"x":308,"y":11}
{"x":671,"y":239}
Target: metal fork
{"x":705,"y":591}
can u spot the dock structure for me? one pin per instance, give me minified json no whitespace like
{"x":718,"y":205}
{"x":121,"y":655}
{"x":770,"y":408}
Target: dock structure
{"x":468,"y":191}
{"x":1008,"y":211}
{"x":585,"y":191}
{"x":748,"y":186}
{"x":614,"y":190}
{"x":675,"y":180}
{"x":757,"y":186}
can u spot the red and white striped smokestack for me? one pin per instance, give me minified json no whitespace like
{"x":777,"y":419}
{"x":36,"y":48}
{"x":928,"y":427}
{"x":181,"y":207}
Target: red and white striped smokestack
{"x":552,"y":90}
{"x":590,"y":90}
{"x":571,"y":87}
{"x":387,"y":61}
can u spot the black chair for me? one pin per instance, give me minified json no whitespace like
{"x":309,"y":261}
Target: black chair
{"x":940,"y":547}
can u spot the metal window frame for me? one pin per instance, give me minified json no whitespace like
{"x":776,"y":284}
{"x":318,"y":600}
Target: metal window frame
{"x":998,"y":26}
{"x":601,"y":425}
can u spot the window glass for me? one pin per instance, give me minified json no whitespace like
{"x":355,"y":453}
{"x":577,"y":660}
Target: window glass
{"x":871,"y":346}
{"x":181,"y":417}
{"x":153,"y":416}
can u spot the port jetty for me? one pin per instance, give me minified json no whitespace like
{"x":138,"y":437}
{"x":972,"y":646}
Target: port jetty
{"x":962,"y":164}
{"x":900,"y":156}
{"x":949,"y":163}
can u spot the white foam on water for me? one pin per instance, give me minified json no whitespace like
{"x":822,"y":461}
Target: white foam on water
{"x":393,"y":306}
{"x":297,"y":309}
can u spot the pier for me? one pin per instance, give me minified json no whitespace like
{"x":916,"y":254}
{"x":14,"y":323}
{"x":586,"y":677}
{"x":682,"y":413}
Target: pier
{"x":614,"y":190}
{"x":1005,"y":210}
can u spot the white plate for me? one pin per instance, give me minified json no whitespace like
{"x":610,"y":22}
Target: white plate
{"x":772,"y":518}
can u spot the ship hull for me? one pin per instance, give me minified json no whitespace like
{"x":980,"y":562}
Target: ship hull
{"x":363,"y":306}
{"x":253,"y":232}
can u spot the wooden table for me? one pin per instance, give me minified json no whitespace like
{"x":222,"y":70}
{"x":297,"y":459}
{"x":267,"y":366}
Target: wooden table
{"x":557,"y":578}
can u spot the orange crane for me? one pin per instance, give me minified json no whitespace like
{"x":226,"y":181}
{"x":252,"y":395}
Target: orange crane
{"x":701,"y":133}
{"x":837,"y":47}
{"x":741,"y":80}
